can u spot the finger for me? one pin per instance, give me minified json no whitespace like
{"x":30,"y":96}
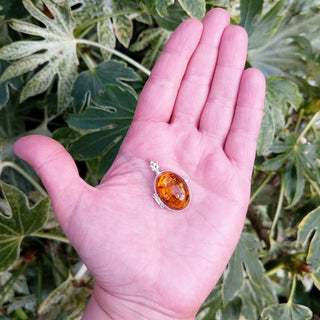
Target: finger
{"x":160,"y":91}
{"x":241,"y":141}
{"x":218,"y":112}
{"x":57,"y":171}
{"x":197,"y":80}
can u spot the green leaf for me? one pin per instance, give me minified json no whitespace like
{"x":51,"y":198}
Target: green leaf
{"x":299,"y":161}
{"x":106,"y":37}
{"x":211,"y":306}
{"x":12,"y":9}
{"x":22,"y":222}
{"x":94,"y":144}
{"x":96,"y":118}
{"x":194,"y":8}
{"x":55,"y":55}
{"x":249,"y":10}
{"x":281,"y":95}
{"x":256,"y":297}
{"x":272,"y":41}
{"x":267,"y":131}
{"x":118,"y":98}
{"x":90,"y":9}
{"x":173,"y":18}
{"x":91,"y":83}
{"x":264,"y":29}
{"x":286,"y":312}
{"x":19,"y":286}
{"x":245,"y":258}
{"x":119,"y":106}
{"x":215,"y":308}
{"x":15,"y":83}
{"x":293,"y":182}
{"x":309,"y":230}
{"x":285,"y":148}
{"x":93,"y":10}
{"x":123,"y":28}
{"x":65,"y":296}
{"x":162,"y":5}
{"x":154,"y":39}
{"x":65,"y":136}
{"x":231,"y":310}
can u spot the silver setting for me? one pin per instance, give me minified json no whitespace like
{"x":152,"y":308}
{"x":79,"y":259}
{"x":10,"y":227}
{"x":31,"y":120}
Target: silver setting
{"x":159,"y":202}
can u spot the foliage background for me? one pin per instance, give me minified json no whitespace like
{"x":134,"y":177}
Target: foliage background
{"x":73,"y":70}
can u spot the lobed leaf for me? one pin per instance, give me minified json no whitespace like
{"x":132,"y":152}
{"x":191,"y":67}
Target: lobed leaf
{"x":261,"y":31}
{"x":244,"y":258}
{"x":12,"y":9}
{"x":215,"y":308}
{"x":287,"y":311}
{"x":22,"y":222}
{"x":309,"y":230}
{"x":15,"y":83}
{"x":299,"y":161}
{"x":117,"y":113}
{"x":91,"y":83}
{"x":90,"y":9}
{"x":281,"y":95}
{"x":255,"y":298}
{"x":56,"y":54}
{"x":273,"y":45}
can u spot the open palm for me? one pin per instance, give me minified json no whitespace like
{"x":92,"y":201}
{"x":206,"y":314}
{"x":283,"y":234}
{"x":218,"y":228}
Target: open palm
{"x":199,"y":116}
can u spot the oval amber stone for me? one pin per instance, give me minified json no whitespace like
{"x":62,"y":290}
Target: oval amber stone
{"x":172,"y":190}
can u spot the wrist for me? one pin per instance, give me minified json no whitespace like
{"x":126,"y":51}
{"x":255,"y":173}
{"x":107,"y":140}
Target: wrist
{"x":105,"y":306}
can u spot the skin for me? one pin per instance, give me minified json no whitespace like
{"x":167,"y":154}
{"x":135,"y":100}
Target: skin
{"x":199,"y":116}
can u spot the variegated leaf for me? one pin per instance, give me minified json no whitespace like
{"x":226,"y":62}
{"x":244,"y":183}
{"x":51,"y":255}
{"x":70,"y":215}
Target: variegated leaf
{"x":53,"y":56}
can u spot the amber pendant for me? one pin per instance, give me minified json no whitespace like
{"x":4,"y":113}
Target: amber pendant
{"x":171,"y":190}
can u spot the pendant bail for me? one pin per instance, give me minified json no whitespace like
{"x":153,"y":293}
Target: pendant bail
{"x":155,"y":167}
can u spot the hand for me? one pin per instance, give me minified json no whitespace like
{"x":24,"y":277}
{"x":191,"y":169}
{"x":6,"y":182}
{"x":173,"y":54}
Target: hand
{"x":198,"y":115}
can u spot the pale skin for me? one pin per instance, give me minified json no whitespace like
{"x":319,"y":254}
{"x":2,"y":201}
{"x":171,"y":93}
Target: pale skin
{"x":198,"y":115}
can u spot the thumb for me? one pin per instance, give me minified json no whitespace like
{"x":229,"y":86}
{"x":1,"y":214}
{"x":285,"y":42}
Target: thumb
{"x":56,"y":169}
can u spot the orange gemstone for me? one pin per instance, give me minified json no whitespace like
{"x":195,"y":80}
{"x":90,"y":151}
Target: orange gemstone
{"x":172,"y":190}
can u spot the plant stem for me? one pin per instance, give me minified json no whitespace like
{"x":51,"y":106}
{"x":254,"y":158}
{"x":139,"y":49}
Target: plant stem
{"x":293,"y":288}
{"x":298,"y":121}
{"x":315,"y":186}
{"x":308,"y":126}
{"x":278,"y":211}
{"x":274,"y":270}
{"x":264,"y":182}
{"x":116,"y":53}
{"x":51,"y":237}
{"x":39,"y":284}
{"x":88,"y":61}
{"x":24,"y":174}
